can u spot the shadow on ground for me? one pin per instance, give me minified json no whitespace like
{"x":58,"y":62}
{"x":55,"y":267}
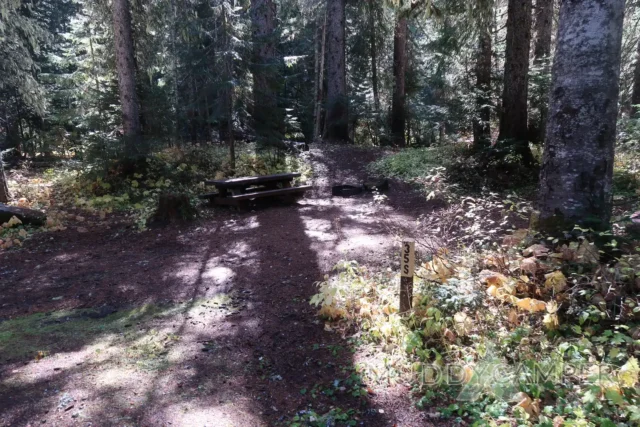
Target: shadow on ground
{"x":207,"y":324}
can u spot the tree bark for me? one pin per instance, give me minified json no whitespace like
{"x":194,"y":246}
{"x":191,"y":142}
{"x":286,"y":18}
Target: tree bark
{"x":267,"y":119}
{"x":126,"y":68}
{"x":513,"y":122}
{"x":337,"y":116}
{"x":320,"y":81}
{"x":399,"y":72}
{"x":4,"y":188}
{"x":544,"y":26}
{"x":541,"y":54}
{"x":577,"y":169}
{"x":635,"y":94}
{"x":482,"y":126}
{"x":374,"y":56}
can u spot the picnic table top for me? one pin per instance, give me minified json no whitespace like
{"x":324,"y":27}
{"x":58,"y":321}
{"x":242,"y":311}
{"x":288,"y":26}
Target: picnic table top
{"x":251,"y":180}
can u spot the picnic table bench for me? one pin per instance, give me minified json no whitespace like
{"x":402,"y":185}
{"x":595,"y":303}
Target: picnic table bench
{"x":238,"y":191}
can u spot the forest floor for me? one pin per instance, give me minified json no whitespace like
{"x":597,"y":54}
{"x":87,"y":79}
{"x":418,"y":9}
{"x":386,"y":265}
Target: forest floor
{"x":206,"y":324}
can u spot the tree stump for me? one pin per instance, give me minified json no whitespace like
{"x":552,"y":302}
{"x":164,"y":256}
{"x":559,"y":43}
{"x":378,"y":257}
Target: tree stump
{"x":173,"y":207}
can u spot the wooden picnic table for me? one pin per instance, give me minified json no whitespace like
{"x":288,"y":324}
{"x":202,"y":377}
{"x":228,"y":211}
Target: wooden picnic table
{"x":236,"y":191}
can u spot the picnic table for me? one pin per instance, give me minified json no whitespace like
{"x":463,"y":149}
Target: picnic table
{"x":239,"y":191}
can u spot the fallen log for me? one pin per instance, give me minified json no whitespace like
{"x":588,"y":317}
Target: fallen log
{"x":27,"y":216}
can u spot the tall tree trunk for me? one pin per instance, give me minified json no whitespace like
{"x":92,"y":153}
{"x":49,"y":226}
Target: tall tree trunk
{"x":541,"y":53}
{"x":374,"y":56}
{"x":226,"y":125}
{"x":635,"y":94}
{"x":482,"y":126}
{"x":577,"y":169}
{"x":337,"y":117}
{"x":126,"y":68}
{"x":544,"y":26}
{"x":513,"y":122}
{"x":399,"y":73}
{"x":320,"y":80}
{"x":267,"y":119}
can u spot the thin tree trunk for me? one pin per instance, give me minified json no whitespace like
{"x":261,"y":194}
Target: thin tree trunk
{"x":337,"y":117}
{"x":513,"y":122}
{"x":399,"y":72}
{"x":4,"y":188}
{"x":320,"y":81}
{"x":482,"y":126}
{"x":374,"y":57}
{"x":635,"y":94}
{"x":267,"y":119}
{"x":125,"y":66}
{"x":577,"y":169}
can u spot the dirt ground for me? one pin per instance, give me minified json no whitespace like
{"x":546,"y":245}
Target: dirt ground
{"x":207,"y":324}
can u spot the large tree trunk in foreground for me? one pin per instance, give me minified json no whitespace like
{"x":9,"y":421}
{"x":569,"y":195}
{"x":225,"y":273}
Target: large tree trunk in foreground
{"x":267,"y":118}
{"x":635,"y":95}
{"x":398,"y":110}
{"x":337,"y":117}
{"x":513,"y":121}
{"x":126,"y":68}
{"x":481,"y":126}
{"x":577,"y":170}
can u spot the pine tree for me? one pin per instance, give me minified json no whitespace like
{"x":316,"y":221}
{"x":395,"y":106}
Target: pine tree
{"x":337,"y":106}
{"x":125,"y":65}
{"x":513,"y":120}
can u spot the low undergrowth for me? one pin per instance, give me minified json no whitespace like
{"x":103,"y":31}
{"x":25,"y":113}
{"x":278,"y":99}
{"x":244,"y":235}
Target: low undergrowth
{"x":93,"y":192}
{"x":508,"y":327}
{"x":538,"y":335}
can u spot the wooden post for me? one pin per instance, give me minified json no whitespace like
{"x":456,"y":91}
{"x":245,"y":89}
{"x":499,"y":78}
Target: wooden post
{"x":407,"y":266}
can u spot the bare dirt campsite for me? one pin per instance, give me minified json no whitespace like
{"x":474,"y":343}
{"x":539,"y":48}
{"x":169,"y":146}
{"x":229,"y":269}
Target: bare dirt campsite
{"x":320,"y":213}
{"x":205,"y":324}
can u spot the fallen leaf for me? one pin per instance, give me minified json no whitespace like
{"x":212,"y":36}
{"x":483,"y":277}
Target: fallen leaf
{"x":493,"y":278}
{"x":513,"y":317}
{"x":532,"y":305}
{"x":463,"y":323}
{"x":588,"y":253}
{"x":536,"y":250}
{"x":551,"y":321}
{"x":555,"y":281}
{"x":529,"y":265}
{"x":628,"y":374}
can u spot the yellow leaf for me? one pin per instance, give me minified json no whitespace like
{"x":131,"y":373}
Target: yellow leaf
{"x":532,"y":305}
{"x":463,"y":323}
{"x":492,"y":290}
{"x":551,"y":321}
{"x":555,"y":282}
{"x":13,"y":221}
{"x":22,"y":233}
{"x":493,"y":278}
{"x":628,"y":374}
{"x":531,"y":407}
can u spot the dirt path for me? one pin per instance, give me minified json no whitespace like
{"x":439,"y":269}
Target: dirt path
{"x":201,"y":325}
